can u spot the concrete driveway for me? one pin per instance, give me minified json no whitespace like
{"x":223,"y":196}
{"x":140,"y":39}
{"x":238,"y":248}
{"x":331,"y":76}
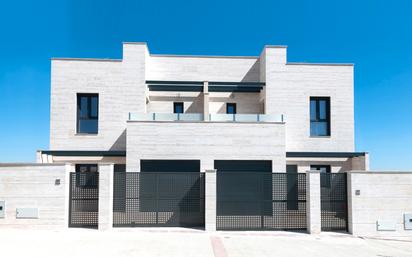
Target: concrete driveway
{"x":187,"y":243}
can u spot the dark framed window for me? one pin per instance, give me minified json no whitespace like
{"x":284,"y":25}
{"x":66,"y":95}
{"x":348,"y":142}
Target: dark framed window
{"x":87,"y":113}
{"x":231,"y":108}
{"x":86,"y":175}
{"x":178,"y":107}
{"x":320,"y":116}
{"x":324,"y":180}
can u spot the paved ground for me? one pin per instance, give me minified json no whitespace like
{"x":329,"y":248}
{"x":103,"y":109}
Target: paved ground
{"x":188,"y":243}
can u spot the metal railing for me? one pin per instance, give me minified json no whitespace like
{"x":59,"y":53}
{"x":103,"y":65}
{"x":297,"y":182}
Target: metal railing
{"x":212,"y":117}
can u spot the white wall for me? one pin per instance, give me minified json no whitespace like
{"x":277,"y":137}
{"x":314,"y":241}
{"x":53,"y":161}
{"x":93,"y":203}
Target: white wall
{"x":162,"y":102}
{"x":246,"y":103}
{"x":206,"y":142}
{"x":33,"y":186}
{"x":121,"y":88}
{"x":288,"y":89}
{"x":384,"y":196}
{"x":337,"y":164}
{"x":206,"y":68}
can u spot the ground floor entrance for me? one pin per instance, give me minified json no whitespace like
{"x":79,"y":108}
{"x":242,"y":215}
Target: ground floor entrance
{"x":164,"y":193}
{"x":334,"y":202}
{"x":251,"y":197}
{"x":84,"y":199}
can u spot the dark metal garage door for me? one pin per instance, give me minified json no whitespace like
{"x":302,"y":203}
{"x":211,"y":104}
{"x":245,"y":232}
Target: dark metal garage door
{"x":251,"y":197}
{"x":165,"y":198}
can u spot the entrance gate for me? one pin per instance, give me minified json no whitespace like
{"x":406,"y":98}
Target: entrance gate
{"x":167,"y":199}
{"x":84,"y":199}
{"x":261,"y":201}
{"x":334,"y":207}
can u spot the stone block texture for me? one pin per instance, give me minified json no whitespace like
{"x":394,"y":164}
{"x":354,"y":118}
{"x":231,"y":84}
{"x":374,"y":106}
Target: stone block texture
{"x":206,"y":142}
{"x":121,"y":85}
{"x":383,"y":196}
{"x":33,"y":186}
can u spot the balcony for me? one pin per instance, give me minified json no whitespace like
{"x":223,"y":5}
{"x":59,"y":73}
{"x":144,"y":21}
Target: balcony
{"x":198,"y":117}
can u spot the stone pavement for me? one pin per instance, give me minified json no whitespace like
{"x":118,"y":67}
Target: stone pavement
{"x":187,"y":243}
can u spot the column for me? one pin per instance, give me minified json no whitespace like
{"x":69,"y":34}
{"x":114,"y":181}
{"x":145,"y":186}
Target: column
{"x":106,"y":172}
{"x":210,"y":198}
{"x":205,"y":100}
{"x":313,"y":217}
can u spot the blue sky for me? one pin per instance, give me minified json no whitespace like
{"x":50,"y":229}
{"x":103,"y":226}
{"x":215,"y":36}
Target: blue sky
{"x":376,"y":35}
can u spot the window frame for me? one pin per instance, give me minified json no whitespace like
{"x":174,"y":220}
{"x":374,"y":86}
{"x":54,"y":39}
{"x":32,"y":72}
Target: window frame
{"x":90,"y":116}
{"x":327,"y":119}
{"x":175,"y":104}
{"x":234,"y":108}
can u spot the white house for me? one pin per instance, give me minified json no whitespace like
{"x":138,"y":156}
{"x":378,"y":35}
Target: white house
{"x":150,"y":107}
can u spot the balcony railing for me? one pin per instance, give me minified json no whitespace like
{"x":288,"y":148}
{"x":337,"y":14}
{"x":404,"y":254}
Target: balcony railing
{"x":212,"y":117}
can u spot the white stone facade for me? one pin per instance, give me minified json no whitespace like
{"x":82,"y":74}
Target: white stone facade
{"x":122,"y":89}
{"x":34,"y":186}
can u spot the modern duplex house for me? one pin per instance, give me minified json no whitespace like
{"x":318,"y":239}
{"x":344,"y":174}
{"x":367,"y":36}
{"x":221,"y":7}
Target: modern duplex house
{"x":213,"y":142}
{"x":194,"y":113}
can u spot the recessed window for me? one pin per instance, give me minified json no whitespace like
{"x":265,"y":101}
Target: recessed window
{"x":231,"y":108}
{"x":319,"y":116}
{"x":86,"y":175}
{"x":178,"y":107}
{"x":87,"y":113}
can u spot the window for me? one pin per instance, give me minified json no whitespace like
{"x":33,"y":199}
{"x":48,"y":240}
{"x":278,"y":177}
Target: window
{"x":86,"y":175}
{"x":324,"y":180}
{"x":178,"y":107}
{"x":231,"y":108}
{"x":319,"y":116}
{"x":87,"y":113}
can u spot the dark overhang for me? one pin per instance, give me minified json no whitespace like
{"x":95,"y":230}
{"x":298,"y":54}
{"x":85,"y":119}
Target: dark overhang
{"x":84,"y":153}
{"x":123,"y":154}
{"x":325,"y":154}
{"x":197,"y":86}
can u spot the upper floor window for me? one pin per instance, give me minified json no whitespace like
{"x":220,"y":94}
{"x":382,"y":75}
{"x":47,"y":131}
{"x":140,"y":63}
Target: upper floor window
{"x":178,"y":107}
{"x":87,"y":113}
{"x":319,"y":116}
{"x":231,"y":108}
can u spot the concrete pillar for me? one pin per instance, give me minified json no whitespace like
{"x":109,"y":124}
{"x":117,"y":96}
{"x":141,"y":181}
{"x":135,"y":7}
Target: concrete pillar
{"x":206,"y":100}
{"x":210,"y":200}
{"x":313,"y":218}
{"x":106,"y":172}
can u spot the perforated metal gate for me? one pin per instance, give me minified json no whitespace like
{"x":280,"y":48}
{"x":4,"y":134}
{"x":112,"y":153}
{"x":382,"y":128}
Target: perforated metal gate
{"x":334,"y":202}
{"x":261,"y":201}
{"x":159,"y":199}
{"x":84,"y":199}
